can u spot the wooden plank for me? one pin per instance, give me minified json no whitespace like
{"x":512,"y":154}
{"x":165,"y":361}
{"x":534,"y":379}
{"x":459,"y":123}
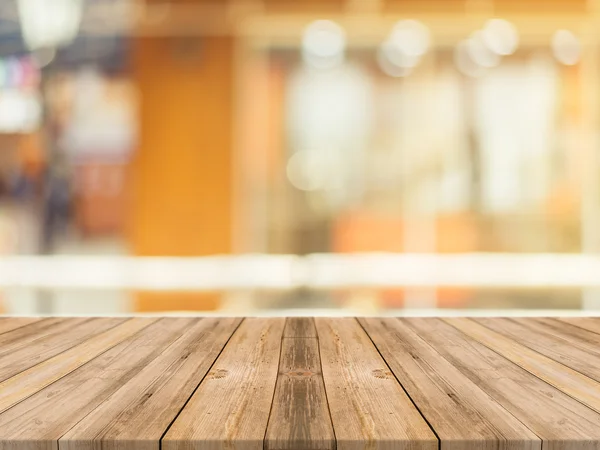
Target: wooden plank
{"x":12,"y":323}
{"x":369,"y":409}
{"x":15,"y":358}
{"x":561,"y":421}
{"x":230,"y":409}
{"x":38,"y":335}
{"x":546,"y":342}
{"x":23,"y":335}
{"x":520,"y":347}
{"x":564,"y":334}
{"x":38,"y":422}
{"x":302,"y":327}
{"x":139,"y":413}
{"x":301,"y":384}
{"x":32,"y":380}
{"x":463,"y":416}
{"x":300,"y":415}
{"x":587,"y":323}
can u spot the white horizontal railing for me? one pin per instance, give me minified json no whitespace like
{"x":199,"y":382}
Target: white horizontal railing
{"x":285,"y":272}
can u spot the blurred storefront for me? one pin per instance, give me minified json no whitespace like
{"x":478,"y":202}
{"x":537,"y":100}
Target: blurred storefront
{"x":195,"y":128}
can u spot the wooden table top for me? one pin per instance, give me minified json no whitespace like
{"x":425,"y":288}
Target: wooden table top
{"x":299,"y":383}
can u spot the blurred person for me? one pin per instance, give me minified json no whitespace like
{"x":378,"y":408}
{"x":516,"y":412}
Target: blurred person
{"x":56,"y":212}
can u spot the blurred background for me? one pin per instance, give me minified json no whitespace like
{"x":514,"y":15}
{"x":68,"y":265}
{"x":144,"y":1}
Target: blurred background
{"x":312,"y":156}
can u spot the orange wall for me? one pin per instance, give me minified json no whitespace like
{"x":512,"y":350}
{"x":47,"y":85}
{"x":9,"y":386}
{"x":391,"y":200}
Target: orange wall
{"x":182,"y":187}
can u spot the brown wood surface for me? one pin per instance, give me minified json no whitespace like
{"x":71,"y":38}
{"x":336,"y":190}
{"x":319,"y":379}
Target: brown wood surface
{"x":32,"y":380}
{"x":300,"y":417}
{"x":300,"y":327}
{"x":586,"y":323}
{"x":230,"y":409}
{"x":299,"y":384}
{"x":558,"y":419}
{"x":462,"y":414}
{"x":155,"y":395}
{"x":369,"y":409}
{"x":22,"y":355}
{"x":549,"y":343}
{"x":43,"y":418}
{"x":553,"y":371}
{"x":12,"y":323}
{"x":22,"y":334}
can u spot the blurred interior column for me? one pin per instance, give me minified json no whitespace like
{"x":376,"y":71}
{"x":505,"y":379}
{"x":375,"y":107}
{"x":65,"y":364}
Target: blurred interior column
{"x":182,"y":170}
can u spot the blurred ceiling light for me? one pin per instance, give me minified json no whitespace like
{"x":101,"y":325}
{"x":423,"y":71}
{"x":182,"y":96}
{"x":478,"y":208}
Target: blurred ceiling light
{"x":410,"y":37}
{"x":464,"y":62}
{"x":480,"y":53}
{"x":49,"y":23}
{"x":500,"y":36}
{"x":308,"y":170}
{"x":566,"y":47}
{"x":323,"y":44}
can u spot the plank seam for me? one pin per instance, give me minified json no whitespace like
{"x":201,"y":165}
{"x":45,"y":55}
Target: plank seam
{"x":75,"y":344}
{"x":531,"y":373}
{"x":544,"y":442}
{"x":510,"y":361}
{"x":160,"y":440}
{"x":561,"y":321}
{"x":109,"y":397}
{"x":75,"y":369}
{"x":276,"y":382}
{"x":44,"y":324}
{"x":20,"y":326}
{"x":547,"y":330}
{"x":572,"y":341}
{"x":439,"y":440}
{"x":539,"y":353}
{"x":324,"y":385}
{"x":432,"y":347}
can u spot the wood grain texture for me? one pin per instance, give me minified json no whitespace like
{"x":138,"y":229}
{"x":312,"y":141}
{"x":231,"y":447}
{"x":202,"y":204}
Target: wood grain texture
{"x":548,"y":343}
{"x":300,"y":415}
{"x":32,"y":380}
{"x":551,"y":368}
{"x":561,"y":421}
{"x":21,"y":336}
{"x":19,"y":356}
{"x":12,"y":323}
{"x":300,"y":327}
{"x":565,"y":335}
{"x":40,"y":334}
{"x":369,"y":409}
{"x":230,"y":410}
{"x":137,"y":415}
{"x":463,"y":416}
{"x":588,"y":323}
{"x":299,"y":384}
{"x":42,"y":419}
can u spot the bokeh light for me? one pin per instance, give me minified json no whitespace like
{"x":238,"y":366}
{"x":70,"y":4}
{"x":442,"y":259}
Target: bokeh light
{"x":566,"y":47}
{"x":323,"y":44}
{"x":309,"y":170}
{"x":464,"y":61}
{"x":410,"y":37}
{"x":480,"y":53}
{"x":500,"y":36}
